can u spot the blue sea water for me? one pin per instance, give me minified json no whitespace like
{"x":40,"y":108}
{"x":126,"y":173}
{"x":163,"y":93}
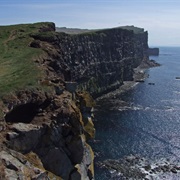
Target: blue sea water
{"x":151,"y":128}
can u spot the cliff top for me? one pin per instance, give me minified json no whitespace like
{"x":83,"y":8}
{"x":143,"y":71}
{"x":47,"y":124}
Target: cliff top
{"x":136,"y":30}
{"x":72,"y":30}
{"x":18,"y":69}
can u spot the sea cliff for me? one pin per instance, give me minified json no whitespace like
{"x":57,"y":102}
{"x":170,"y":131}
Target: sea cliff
{"x":153,"y":51}
{"x":99,"y":61}
{"x":46,"y":112}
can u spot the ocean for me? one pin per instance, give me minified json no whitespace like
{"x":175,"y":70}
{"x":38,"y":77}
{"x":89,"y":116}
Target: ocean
{"x":150,"y":127}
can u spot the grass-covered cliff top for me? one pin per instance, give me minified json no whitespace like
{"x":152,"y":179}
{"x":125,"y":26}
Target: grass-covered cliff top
{"x":17,"y":68}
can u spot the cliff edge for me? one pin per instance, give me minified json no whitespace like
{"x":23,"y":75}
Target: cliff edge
{"x":46,"y":115}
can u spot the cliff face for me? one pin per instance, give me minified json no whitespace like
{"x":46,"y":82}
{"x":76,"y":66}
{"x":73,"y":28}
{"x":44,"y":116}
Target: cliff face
{"x":100,"y":61}
{"x":46,"y":125}
{"x":46,"y":137}
{"x":153,"y":51}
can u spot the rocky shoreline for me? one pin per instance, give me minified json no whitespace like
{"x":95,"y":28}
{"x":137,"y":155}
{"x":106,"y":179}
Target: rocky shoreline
{"x":133,"y":167}
{"x":136,"y":167}
{"x":106,"y":100}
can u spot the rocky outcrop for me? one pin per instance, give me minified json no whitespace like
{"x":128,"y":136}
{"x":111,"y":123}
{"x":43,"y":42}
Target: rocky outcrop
{"x":153,"y":51}
{"x":53,"y":142}
{"x":135,"y":167}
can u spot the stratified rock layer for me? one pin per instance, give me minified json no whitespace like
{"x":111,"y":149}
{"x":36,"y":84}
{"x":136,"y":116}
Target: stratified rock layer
{"x":98,"y":61}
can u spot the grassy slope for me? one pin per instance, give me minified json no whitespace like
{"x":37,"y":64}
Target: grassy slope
{"x":17,"y":68}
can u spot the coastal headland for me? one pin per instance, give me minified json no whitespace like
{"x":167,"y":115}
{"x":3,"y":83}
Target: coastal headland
{"x":48,"y":80}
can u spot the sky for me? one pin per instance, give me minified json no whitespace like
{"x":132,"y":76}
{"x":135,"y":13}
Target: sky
{"x":161,"y":18}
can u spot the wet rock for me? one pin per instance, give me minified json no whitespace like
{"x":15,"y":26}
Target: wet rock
{"x":147,"y":167}
{"x":132,"y":167}
{"x":157,"y":169}
{"x":151,"y":83}
{"x":173,"y":170}
{"x":165,"y":168}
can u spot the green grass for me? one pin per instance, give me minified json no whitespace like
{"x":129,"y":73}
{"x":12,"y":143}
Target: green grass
{"x":17,"y":68}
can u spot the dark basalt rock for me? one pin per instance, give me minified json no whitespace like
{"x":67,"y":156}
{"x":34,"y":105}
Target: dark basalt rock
{"x":153,"y":51}
{"x":98,"y":61}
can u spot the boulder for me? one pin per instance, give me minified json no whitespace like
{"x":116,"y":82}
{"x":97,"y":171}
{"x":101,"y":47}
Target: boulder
{"x":25,"y":137}
{"x":17,"y":166}
{"x":56,"y":161}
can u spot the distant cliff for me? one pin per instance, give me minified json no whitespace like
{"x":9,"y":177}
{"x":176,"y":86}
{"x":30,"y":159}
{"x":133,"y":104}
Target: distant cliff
{"x":98,"y":60}
{"x":153,"y":51}
{"x":45,"y":113}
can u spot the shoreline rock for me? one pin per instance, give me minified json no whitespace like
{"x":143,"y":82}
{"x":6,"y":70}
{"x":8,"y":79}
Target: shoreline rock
{"x":153,"y":51}
{"x":136,"y":167}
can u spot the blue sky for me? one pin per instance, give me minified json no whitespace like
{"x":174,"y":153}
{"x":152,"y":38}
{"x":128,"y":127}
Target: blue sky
{"x":161,"y":18}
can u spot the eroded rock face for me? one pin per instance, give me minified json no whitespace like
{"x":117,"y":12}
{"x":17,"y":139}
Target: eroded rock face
{"x":101,"y":61}
{"x":57,"y":161}
{"x":55,"y":137}
{"x":16,"y":166}
{"x":24,"y":137}
{"x":98,"y":61}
